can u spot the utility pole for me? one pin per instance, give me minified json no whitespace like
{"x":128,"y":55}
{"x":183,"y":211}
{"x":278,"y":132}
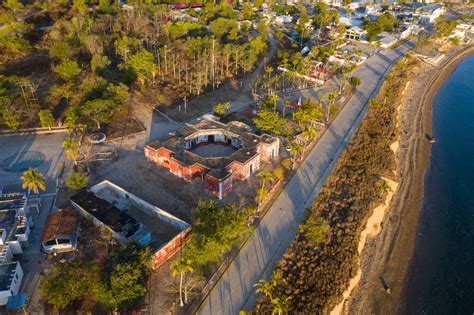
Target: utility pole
{"x":212,"y":63}
{"x":185,"y":107}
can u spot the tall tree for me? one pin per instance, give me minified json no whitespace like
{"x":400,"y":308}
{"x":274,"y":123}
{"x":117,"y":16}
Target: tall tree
{"x":46,"y":118}
{"x":181,"y":267}
{"x":33,"y":180}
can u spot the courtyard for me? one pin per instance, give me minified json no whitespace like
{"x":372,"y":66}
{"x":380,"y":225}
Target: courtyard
{"x":211,"y":150}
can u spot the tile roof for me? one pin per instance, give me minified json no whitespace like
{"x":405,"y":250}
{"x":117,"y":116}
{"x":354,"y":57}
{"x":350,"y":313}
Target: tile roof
{"x":62,"y":223}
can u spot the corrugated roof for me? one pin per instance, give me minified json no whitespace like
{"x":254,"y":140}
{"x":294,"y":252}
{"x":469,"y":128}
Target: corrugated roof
{"x":60,"y":223}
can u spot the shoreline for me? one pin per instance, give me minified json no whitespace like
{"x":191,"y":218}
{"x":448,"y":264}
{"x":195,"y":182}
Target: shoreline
{"x":385,"y":258}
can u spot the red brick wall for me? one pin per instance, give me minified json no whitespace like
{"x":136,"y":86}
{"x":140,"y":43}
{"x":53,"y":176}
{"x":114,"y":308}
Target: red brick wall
{"x":164,"y":158}
{"x":171,"y":248}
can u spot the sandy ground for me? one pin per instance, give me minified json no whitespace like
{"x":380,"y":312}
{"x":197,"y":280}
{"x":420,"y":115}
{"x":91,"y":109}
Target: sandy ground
{"x":385,"y":257}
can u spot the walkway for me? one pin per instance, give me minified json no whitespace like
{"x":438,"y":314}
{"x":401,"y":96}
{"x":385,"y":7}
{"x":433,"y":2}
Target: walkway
{"x":234,"y":291}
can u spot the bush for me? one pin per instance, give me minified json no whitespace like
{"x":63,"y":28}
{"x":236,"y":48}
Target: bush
{"x":315,"y":229}
{"x":286,"y":163}
{"x":77,"y":180}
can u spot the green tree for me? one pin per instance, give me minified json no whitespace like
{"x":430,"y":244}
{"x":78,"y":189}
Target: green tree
{"x":99,"y":111}
{"x":384,"y":186}
{"x":72,"y":149}
{"x":11,"y":119}
{"x":33,"y":180}
{"x":215,"y":231}
{"x":99,"y":63}
{"x":221,"y":108}
{"x":310,"y":134}
{"x":70,"y":282}
{"x":12,"y":35}
{"x":225,"y":29}
{"x":68,"y":70}
{"x":77,"y":180}
{"x":46,"y":118}
{"x":315,"y":229}
{"x":181,"y":267}
{"x":60,"y":50}
{"x":280,"y":305}
{"x":268,"y":121}
{"x":247,"y":11}
{"x":125,"y":286}
{"x":142,"y":65}
{"x":13,"y":5}
{"x":295,"y":150}
{"x":264,"y":178}
{"x":355,"y":82}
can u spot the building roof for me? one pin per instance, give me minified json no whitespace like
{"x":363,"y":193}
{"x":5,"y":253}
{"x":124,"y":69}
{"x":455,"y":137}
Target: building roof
{"x":11,"y":224}
{"x":108,"y":214}
{"x":13,"y":201}
{"x":60,"y":224}
{"x":247,"y":151}
{"x":7,"y":272}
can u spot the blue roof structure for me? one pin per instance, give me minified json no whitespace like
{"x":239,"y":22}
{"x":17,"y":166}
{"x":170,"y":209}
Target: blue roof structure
{"x":16,"y":301}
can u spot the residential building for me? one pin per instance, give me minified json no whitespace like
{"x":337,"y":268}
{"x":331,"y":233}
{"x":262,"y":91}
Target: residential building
{"x":60,"y":232}
{"x":11,"y":275}
{"x":429,"y":13}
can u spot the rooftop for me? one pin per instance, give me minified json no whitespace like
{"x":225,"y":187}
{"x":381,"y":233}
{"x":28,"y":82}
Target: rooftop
{"x":13,"y":201}
{"x":60,"y":224}
{"x":119,"y":221}
{"x":248,"y":142}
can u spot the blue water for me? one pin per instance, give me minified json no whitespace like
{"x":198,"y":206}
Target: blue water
{"x":440,"y":278}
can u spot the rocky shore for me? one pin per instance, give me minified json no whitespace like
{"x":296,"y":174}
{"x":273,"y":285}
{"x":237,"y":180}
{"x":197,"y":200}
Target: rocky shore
{"x":385,"y":257}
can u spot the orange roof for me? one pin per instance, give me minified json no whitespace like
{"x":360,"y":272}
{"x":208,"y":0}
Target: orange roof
{"x":60,"y":223}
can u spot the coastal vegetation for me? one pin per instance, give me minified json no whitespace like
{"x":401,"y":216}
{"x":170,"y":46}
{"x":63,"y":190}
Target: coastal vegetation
{"x":318,"y":265}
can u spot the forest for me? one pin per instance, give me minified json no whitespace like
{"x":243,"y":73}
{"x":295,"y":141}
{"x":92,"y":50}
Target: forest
{"x":80,"y":61}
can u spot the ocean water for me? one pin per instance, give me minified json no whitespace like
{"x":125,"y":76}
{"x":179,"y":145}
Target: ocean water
{"x":440,"y":278}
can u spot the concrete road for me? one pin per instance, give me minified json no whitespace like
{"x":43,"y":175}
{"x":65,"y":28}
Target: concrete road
{"x":256,"y":260}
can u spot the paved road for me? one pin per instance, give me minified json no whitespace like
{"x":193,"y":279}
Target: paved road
{"x":234,"y":291}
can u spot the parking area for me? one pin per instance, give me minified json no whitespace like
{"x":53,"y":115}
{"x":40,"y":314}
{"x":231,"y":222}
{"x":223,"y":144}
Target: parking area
{"x":19,"y":152}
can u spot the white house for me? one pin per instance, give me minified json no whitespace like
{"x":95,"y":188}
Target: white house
{"x":11,"y":275}
{"x":429,"y":13}
{"x":387,"y":40}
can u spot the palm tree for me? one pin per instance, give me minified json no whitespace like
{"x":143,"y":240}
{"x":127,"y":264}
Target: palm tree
{"x":310,"y":134}
{"x":295,"y":150}
{"x":180,"y":267}
{"x":72,"y":149}
{"x":33,"y":180}
{"x":331,"y":98}
{"x":264,"y":177}
{"x":280,"y":305}
{"x":264,"y":287}
{"x":384,"y":186}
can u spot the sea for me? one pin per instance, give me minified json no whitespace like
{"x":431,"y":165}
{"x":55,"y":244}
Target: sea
{"x":440,"y":277}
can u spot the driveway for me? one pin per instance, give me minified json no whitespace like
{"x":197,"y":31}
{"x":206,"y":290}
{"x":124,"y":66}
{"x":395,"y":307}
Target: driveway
{"x":256,"y":260}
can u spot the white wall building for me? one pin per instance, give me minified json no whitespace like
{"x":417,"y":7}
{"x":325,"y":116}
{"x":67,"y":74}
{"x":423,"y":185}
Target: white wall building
{"x":11,"y":275}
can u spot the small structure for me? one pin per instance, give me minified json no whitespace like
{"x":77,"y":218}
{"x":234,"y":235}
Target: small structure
{"x":214,"y":152}
{"x":429,"y":13}
{"x":387,"y":40}
{"x":355,"y":33}
{"x":11,"y":275}
{"x":131,"y":219}
{"x":60,"y":232}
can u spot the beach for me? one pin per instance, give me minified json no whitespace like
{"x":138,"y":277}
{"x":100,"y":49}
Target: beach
{"x":386,"y":255}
